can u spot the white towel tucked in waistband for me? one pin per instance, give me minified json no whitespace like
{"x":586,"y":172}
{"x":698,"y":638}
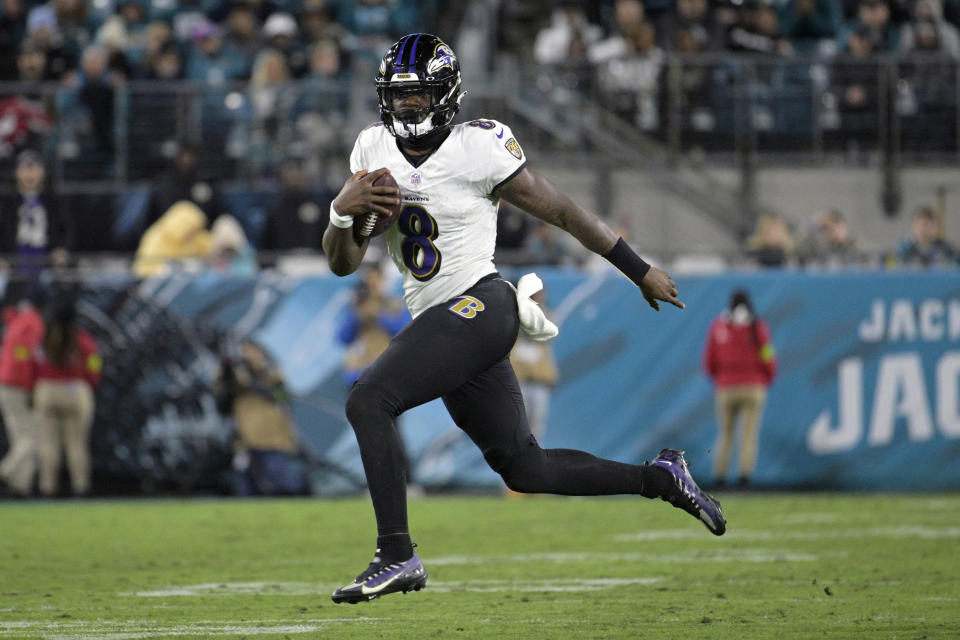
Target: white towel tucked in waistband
{"x":533,"y":321}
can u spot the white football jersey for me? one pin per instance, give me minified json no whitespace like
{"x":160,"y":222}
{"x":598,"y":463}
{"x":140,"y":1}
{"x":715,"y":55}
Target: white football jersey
{"x":444,"y":239}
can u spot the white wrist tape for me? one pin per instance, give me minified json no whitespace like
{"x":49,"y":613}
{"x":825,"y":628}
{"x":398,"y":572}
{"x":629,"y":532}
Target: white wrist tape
{"x":339,"y":221}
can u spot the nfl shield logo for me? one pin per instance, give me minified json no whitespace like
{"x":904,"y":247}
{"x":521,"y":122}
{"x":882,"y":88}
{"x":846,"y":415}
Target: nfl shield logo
{"x":415,"y":178}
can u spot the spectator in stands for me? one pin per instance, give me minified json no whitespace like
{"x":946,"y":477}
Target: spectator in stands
{"x":568,"y":25}
{"x":182,"y":181}
{"x":929,"y":32}
{"x":262,"y":9}
{"x":693,"y":19}
{"x":317,"y":23}
{"x":60,"y":26}
{"x":242,"y":32}
{"x":209,"y":61}
{"x":321,"y":109}
{"x":629,"y":65}
{"x":127,"y":33}
{"x":386,"y":18}
{"x":33,"y":229}
{"x":327,"y":67}
{"x":855,"y":86}
{"x":875,"y":16}
{"x":280,"y":32}
{"x":42,"y":29}
{"x":183,"y":16}
{"x":372,"y":319}
{"x":811,"y":25}
{"x":251,"y":390}
{"x":740,"y":359}
{"x":178,"y":238}
{"x":159,"y":40}
{"x":925,"y":247}
{"x":71,"y":16}
{"x":758,"y":31}
{"x":26,"y":116}
{"x":165,"y":65}
{"x":232,"y":253}
{"x":114,"y":40}
{"x":513,"y":230}
{"x":628,"y":15}
{"x":13,"y":27}
{"x":927,"y":85}
{"x":771,"y":244}
{"x":272,"y":99}
{"x":89,"y":101}
{"x":297,"y":218}
{"x":829,"y":243}
{"x":695,"y":79}
{"x":23,"y":331}
{"x":68,"y":368}
{"x":32,"y":63}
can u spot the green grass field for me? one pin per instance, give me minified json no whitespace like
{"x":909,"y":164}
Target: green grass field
{"x":790,"y":566}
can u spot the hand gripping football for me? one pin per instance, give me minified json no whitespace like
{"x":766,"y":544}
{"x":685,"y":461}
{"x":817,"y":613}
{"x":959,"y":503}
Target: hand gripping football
{"x":372,"y":224}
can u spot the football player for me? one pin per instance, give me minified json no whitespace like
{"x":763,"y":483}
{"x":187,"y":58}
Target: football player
{"x":466,"y":318}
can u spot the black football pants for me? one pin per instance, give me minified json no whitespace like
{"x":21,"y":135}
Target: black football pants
{"x":458,"y":351}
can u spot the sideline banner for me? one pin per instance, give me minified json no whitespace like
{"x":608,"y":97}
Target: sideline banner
{"x":867,"y":395}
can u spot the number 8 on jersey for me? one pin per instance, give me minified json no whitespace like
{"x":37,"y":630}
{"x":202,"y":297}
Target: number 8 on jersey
{"x":420,"y":254}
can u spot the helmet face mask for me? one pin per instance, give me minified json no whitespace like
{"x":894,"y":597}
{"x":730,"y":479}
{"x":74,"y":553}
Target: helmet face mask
{"x":421,"y":64}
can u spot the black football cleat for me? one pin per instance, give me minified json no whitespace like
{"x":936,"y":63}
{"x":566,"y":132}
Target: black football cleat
{"x":382,"y":578}
{"x":686,"y":495}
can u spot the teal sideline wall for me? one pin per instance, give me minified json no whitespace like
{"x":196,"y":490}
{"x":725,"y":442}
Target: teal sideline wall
{"x":867,"y":395}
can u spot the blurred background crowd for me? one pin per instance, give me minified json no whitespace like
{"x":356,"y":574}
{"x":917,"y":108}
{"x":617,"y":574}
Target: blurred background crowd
{"x":114,"y":111}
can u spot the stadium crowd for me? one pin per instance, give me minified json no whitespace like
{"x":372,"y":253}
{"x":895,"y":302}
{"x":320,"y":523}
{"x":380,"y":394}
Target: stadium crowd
{"x":795,"y":67}
{"x":274,"y":84}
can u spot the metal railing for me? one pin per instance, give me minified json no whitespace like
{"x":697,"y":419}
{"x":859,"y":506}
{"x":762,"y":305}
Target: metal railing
{"x":797,"y":109}
{"x":807,"y":110}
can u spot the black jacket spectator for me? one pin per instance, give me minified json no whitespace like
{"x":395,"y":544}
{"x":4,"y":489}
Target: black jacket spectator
{"x":298,"y":217}
{"x":32,"y":225}
{"x":182,"y":181}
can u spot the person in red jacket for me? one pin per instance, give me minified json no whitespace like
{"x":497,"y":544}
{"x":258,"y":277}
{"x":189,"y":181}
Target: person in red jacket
{"x":741,"y":360}
{"x":67,"y":369}
{"x":22,"y":334}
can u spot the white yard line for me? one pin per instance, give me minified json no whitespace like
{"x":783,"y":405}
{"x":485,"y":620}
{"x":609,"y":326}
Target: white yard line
{"x":133,"y":629}
{"x":551,"y":585}
{"x":239,"y":588}
{"x":907,"y":531}
{"x":712,"y":555}
{"x":302,"y":588}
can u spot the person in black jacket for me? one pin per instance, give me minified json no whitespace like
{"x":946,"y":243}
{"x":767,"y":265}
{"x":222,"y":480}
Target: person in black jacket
{"x":182,"y":181}
{"x":33,"y":230}
{"x":298,"y":217}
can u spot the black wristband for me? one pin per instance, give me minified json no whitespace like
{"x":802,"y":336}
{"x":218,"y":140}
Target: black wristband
{"x":625,"y":259}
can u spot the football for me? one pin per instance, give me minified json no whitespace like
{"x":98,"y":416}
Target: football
{"x":372,"y":224}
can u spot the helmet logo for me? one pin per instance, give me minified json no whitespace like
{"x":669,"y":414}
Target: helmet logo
{"x":443,"y":58}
